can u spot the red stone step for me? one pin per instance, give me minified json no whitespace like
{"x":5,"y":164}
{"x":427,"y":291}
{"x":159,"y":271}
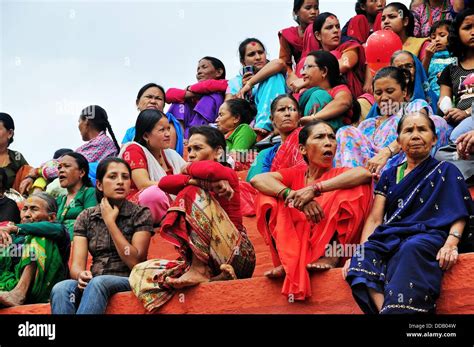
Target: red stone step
{"x":331,"y":294}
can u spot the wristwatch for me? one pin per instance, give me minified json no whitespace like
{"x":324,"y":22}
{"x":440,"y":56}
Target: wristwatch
{"x":456,"y":234}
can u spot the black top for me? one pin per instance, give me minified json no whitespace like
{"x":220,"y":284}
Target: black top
{"x":9,"y":211}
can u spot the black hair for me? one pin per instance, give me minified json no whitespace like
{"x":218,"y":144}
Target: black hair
{"x":148,"y":86}
{"x":217,"y":65}
{"x":243,"y":47}
{"x":278,"y":98}
{"x":97,"y":117}
{"x":214,"y":138}
{"x":60,"y":152}
{"x":327,"y":61}
{"x":83,"y":165}
{"x":8,"y":123}
{"x":242,"y":108}
{"x":3,"y":180}
{"x":51,"y":204}
{"x":439,"y":24}
{"x":425,"y":114}
{"x":410,"y":83}
{"x":358,"y":7}
{"x":297,"y":4}
{"x":405,"y":13}
{"x":320,"y":20}
{"x":146,"y":121}
{"x":401,"y":76}
{"x":455,"y":45}
{"x":102,"y":170}
{"x":306,"y":131}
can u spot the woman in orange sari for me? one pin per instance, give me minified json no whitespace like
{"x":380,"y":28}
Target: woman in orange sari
{"x":307,"y":213}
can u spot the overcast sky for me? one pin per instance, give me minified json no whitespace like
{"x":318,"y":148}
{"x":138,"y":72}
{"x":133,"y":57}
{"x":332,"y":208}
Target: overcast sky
{"x":58,"y":57}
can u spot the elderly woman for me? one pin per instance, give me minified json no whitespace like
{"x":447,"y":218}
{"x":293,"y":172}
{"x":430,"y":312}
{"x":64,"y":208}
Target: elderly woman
{"x":204,"y":223}
{"x":416,"y":224}
{"x":198,"y":104}
{"x":152,"y":97}
{"x":151,"y":159}
{"x":307,"y":210}
{"x":74,"y":177}
{"x":93,"y":127}
{"x":261,"y":83}
{"x":117,"y":233}
{"x":327,"y":97}
{"x":11,"y":161}
{"x":373,"y":143}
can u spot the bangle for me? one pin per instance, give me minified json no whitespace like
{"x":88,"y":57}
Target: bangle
{"x":31,"y":177}
{"x":455,"y":234}
{"x":317,"y":188}
{"x":278,"y":194}
{"x":286,"y":193}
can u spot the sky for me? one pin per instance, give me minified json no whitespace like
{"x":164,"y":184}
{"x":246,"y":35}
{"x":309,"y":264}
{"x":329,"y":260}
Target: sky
{"x":58,"y":57}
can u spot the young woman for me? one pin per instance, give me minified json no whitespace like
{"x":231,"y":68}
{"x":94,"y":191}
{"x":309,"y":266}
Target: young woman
{"x":204,"y":223}
{"x":151,"y":159}
{"x":261,"y":85}
{"x":117,"y":234}
{"x":367,"y":20}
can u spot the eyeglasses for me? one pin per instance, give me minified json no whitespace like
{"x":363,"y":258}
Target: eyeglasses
{"x":308,"y":66}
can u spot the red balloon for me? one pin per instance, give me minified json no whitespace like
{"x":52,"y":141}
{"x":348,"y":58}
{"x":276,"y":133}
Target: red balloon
{"x":379,"y":49}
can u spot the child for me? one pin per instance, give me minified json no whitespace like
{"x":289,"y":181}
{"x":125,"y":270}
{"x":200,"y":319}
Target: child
{"x":437,"y":54}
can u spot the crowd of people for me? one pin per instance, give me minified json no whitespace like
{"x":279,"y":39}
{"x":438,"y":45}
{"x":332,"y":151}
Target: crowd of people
{"x":324,"y":151}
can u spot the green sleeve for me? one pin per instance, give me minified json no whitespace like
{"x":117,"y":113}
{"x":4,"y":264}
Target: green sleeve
{"x":244,"y":138}
{"x":42,"y":229}
{"x":89,"y":198}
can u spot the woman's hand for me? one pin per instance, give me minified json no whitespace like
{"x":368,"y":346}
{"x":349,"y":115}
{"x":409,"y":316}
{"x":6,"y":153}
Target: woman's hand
{"x":367,"y":87}
{"x":246,"y":86}
{"x":184,"y":169}
{"x":447,"y":256}
{"x":26,"y":185}
{"x":307,"y":119}
{"x":377,"y":163}
{"x":5,"y":237}
{"x":455,"y":115}
{"x":297,"y":85}
{"x":222,"y":188}
{"x":345,"y":268}
{"x":83,"y":279}
{"x":300,"y":197}
{"x":465,"y":144}
{"x":313,"y":212}
{"x":109,"y":213}
{"x":262,"y":132}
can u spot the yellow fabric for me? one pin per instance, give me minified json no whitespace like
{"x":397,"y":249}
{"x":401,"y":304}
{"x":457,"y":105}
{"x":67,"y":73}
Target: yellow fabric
{"x":40,"y":183}
{"x":414,"y":44}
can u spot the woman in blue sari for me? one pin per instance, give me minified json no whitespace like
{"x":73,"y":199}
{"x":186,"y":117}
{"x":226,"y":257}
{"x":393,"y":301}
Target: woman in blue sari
{"x":412,"y":234}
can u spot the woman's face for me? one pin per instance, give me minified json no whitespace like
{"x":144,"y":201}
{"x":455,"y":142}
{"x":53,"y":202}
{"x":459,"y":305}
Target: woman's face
{"x":199,"y":150}
{"x":320,"y":147}
{"x":5,"y":135}
{"x":311,"y":73}
{"x":159,"y":138}
{"x":69,"y":173}
{"x":255,"y":55}
{"x":83,"y":127}
{"x":116,"y":183}
{"x":308,"y":12}
{"x":373,"y":7}
{"x":466,"y":32}
{"x":389,"y":95}
{"x":393,"y":20}
{"x":152,"y":99}
{"x":286,"y":116}
{"x":405,"y":61}
{"x":330,"y":35}
{"x":207,"y":71}
{"x":416,"y":137}
{"x":225,"y":120}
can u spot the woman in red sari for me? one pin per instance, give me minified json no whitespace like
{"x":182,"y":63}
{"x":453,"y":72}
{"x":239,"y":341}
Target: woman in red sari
{"x":305,"y":213}
{"x":291,"y":39}
{"x":367,"y":20}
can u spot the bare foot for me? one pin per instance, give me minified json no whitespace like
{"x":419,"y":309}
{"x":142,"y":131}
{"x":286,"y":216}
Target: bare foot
{"x":227,"y":274}
{"x":188,"y":279}
{"x":10,"y":299}
{"x":277,"y":272}
{"x":323,"y":264}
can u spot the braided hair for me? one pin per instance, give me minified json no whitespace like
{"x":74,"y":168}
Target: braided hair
{"x":99,"y":120}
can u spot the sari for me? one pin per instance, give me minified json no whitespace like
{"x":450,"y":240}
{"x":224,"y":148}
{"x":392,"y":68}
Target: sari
{"x":416,"y":46}
{"x":291,"y":46}
{"x":294,"y":242}
{"x":195,"y":224}
{"x":399,"y":258}
{"x":309,"y":44}
{"x":203,"y":112}
{"x":357,"y":145}
{"x":50,"y":266}
{"x":356,"y":75}
{"x":358,"y":27}
{"x":263,"y":94}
